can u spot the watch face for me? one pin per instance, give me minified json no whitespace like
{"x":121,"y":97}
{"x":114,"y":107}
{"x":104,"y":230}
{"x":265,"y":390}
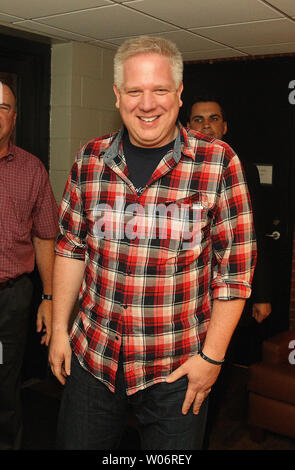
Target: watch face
{"x":46,"y":297}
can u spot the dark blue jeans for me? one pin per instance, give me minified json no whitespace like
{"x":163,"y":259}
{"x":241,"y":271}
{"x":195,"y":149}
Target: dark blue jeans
{"x":15,"y":304}
{"x":93,"y":418}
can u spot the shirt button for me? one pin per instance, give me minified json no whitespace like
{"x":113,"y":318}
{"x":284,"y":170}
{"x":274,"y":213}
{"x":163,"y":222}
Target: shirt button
{"x":125,"y":306}
{"x":117,"y":338}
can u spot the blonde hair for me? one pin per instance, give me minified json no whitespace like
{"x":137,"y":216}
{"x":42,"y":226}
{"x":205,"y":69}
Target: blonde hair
{"x":148,"y":45}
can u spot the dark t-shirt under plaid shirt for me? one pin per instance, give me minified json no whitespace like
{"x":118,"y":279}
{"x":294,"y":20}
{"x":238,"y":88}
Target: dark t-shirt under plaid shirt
{"x":155,"y":261}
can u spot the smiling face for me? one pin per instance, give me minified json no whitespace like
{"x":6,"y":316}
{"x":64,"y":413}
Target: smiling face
{"x":7,"y":117}
{"x":148,"y":100}
{"x":206,"y":117}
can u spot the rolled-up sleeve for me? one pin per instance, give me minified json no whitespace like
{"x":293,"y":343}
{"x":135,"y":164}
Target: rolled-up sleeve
{"x":71,"y":241}
{"x":233,"y":237}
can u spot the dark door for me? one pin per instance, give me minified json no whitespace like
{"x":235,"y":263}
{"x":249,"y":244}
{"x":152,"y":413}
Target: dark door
{"x":26,"y":66}
{"x":29,"y":64}
{"x":260,"y":118}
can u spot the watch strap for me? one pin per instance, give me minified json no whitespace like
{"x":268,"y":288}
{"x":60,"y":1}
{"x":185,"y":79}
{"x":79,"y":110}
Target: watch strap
{"x":212,"y":361}
{"x":46,"y":297}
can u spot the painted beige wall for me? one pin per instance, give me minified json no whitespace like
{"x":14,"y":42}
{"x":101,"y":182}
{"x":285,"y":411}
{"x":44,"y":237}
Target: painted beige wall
{"x":82,"y":104}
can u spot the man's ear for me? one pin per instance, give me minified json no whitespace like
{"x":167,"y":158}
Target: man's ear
{"x":117,"y":93}
{"x":179,"y":91}
{"x":224,"y":127}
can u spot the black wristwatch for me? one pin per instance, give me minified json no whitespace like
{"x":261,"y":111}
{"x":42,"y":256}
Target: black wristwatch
{"x":46,"y":297}
{"x":212,"y":361}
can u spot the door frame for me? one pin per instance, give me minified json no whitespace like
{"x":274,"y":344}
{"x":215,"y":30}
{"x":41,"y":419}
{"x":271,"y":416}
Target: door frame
{"x":207,"y":76}
{"x":30,"y":61}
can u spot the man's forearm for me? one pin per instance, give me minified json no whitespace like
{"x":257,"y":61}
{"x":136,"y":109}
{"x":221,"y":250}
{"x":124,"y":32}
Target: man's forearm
{"x":44,"y":252}
{"x":67,"y":278}
{"x":224,"y":319}
{"x":201,"y":374}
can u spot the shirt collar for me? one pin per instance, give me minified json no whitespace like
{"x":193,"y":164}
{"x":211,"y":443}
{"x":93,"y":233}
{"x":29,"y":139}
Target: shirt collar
{"x":10,"y":152}
{"x":189,"y":143}
{"x":113,"y":149}
{"x":181,"y":145}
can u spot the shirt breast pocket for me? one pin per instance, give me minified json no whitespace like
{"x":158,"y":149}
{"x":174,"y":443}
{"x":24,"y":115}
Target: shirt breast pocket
{"x":17,"y":216}
{"x":192,"y":216}
{"x":23,"y":213}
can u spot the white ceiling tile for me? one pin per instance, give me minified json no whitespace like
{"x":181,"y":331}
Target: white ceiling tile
{"x":251,"y":34}
{"x":285,"y":48}
{"x":195,"y":13}
{"x":104,"y":44}
{"x":8,"y":18}
{"x":49,"y":31}
{"x":207,"y":55}
{"x":185,"y":40}
{"x":286,"y":6}
{"x":29,"y":9}
{"x":107,"y":22}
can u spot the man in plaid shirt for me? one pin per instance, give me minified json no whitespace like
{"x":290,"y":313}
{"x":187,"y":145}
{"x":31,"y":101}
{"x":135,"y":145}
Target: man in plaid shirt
{"x":28,"y":221}
{"x":157,"y":237}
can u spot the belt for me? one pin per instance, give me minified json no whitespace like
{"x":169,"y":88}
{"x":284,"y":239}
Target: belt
{"x":11,"y":282}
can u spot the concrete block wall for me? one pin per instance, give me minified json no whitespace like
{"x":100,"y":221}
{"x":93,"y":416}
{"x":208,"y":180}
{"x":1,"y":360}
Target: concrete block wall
{"x":82,"y":104}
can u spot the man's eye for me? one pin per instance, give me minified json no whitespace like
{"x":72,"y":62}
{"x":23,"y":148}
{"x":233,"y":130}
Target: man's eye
{"x":161,"y":91}
{"x":3,"y":107}
{"x":134,"y":93}
{"x":198,"y":120}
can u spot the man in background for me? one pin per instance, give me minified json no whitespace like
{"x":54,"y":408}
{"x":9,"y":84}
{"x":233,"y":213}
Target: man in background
{"x":28,"y":220}
{"x":206,"y":114}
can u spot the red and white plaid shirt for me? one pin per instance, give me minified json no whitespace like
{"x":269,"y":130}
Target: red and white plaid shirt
{"x":154,"y":262}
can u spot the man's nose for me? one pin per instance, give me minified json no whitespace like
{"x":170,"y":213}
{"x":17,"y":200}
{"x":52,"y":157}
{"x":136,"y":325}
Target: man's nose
{"x":206,"y":123}
{"x":147,"y":101}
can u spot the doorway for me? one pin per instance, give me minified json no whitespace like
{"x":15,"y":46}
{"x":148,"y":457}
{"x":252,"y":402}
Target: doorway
{"x":25,"y":64}
{"x":260,"y":115}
